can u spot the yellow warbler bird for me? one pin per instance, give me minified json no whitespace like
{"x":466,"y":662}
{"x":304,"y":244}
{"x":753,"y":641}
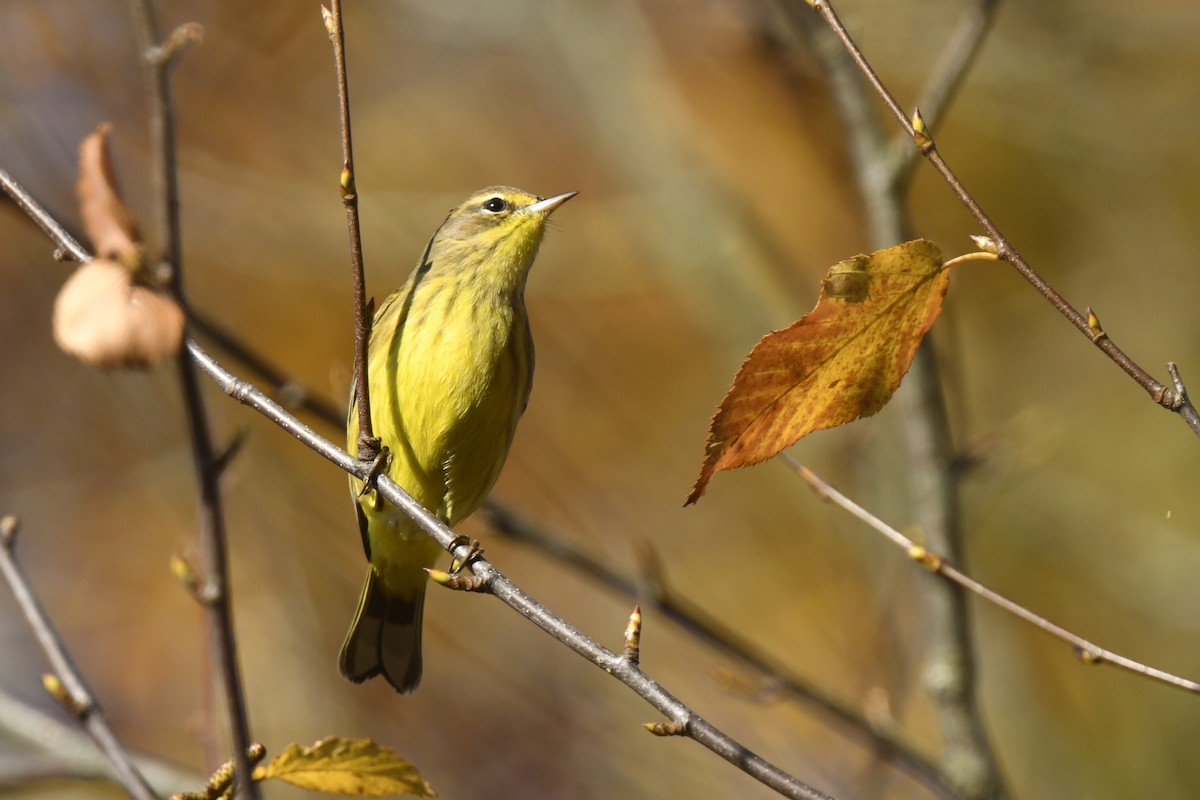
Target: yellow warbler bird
{"x":449,"y":366}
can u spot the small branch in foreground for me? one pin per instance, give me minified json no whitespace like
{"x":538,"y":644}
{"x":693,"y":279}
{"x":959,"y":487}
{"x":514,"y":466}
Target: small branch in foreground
{"x":368,"y":445}
{"x":614,"y":664}
{"x":1087,"y":652}
{"x":72,"y":751}
{"x":69,"y":685}
{"x":157,"y":59}
{"x":1170,"y":398}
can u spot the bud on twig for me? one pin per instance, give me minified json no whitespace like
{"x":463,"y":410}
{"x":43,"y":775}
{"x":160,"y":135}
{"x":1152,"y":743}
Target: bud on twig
{"x":633,"y":636}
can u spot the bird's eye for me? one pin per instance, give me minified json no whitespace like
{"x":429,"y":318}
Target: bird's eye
{"x":495,"y":205}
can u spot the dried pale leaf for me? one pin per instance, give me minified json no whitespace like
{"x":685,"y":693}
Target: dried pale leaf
{"x":106,"y":219}
{"x":841,"y":361}
{"x":103,"y":318}
{"x":356,"y":767}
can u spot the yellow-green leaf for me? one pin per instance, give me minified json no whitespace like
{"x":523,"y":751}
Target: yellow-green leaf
{"x":840,"y":361}
{"x":356,"y":767}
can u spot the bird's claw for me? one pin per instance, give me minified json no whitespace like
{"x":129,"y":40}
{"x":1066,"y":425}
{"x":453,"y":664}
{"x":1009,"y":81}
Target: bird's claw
{"x":474,"y":551}
{"x":378,"y":465}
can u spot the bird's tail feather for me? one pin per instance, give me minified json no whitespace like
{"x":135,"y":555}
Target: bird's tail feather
{"x":385,"y":637}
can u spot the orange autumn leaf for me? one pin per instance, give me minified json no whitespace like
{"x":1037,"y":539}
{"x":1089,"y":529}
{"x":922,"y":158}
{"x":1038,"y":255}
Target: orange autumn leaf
{"x":840,"y":361}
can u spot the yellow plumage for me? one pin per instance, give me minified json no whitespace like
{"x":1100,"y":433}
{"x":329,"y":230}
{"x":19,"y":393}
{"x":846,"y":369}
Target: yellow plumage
{"x":449,"y":367}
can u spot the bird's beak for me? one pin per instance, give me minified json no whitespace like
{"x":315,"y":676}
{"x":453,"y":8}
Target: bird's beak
{"x":545,"y":206}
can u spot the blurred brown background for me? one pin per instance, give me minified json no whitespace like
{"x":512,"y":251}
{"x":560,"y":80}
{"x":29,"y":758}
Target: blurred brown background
{"x":714,"y":190}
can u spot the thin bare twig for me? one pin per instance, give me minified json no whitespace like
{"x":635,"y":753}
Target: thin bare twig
{"x":682,"y":719}
{"x":73,"y":692}
{"x":1169,"y":397}
{"x":66,"y":247}
{"x":1086,"y":651}
{"x":214,"y":592}
{"x":368,"y":445}
{"x":652,"y":592}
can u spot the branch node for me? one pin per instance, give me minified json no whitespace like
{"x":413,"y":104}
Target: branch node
{"x":927,"y":558}
{"x":458,"y":578}
{"x":1089,"y":654}
{"x":633,"y":637}
{"x":181,"y":38}
{"x":920,"y":133}
{"x":1180,"y":397}
{"x":674,"y":728}
{"x":239,"y":389}
{"x":77,"y":707}
{"x":1094,"y":327}
{"x":1160,"y":394}
{"x":986,"y":244}
{"x":459,"y":582}
{"x":185,"y":573}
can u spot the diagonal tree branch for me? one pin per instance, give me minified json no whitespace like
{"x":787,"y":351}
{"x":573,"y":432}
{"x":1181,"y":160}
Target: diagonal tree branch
{"x":1173,"y":398}
{"x":653,"y":592}
{"x":67,"y":685}
{"x":1085,"y":650}
{"x":944,"y":81}
{"x":683,"y":720}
